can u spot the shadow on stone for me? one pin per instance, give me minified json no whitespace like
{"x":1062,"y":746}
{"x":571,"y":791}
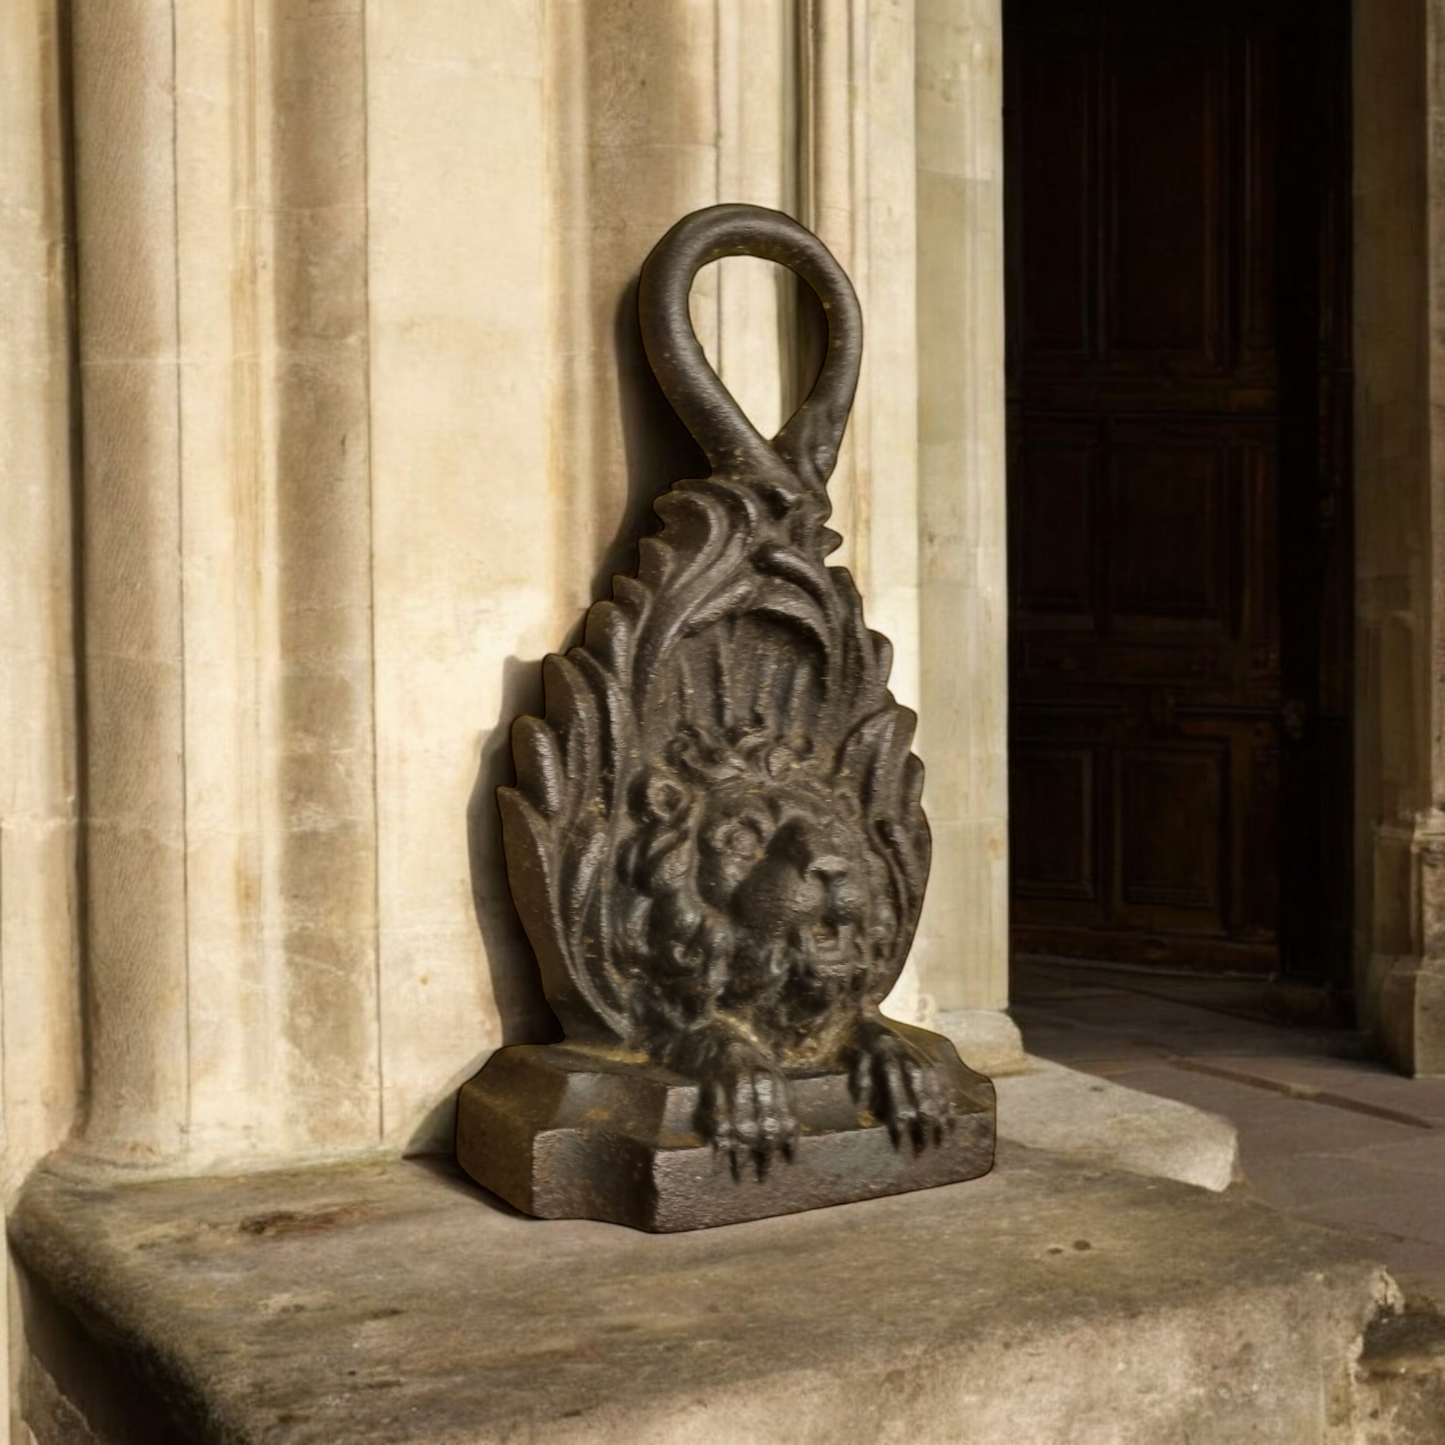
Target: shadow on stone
{"x":658,"y":450}
{"x":446,"y":1172}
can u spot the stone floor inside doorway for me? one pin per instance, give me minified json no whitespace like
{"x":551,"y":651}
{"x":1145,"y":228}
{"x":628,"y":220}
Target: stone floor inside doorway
{"x":1326,"y":1132}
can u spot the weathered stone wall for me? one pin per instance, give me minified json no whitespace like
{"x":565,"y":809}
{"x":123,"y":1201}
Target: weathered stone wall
{"x":350,"y":424}
{"x":230,"y":836}
{"x":363,"y":427}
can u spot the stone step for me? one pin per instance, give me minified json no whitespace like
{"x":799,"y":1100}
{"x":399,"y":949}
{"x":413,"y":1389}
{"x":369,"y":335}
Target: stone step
{"x":1098,"y":1122}
{"x":392,"y":1302}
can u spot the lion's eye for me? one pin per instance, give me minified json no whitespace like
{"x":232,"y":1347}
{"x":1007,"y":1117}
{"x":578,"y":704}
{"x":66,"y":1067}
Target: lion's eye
{"x":664,"y":797}
{"x":740,"y":839}
{"x":737,"y":838}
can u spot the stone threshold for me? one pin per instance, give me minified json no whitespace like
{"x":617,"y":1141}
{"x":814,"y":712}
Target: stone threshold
{"x":1047,"y":1105}
{"x":394,"y":1302}
{"x":1111,"y":1126}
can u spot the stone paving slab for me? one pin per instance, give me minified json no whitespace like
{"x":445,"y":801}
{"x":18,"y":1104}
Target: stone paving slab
{"x":1345,"y":1079}
{"x":1324,"y":1132}
{"x":1100,"y":1050}
{"x":1276,"y":1125}
{"x":1135,"y":1025}
{"x":1423,"y":1154}
{"x":1043,"y":1304}
{"x":1157,"y":1016}
{"x":1283,"y":1128}
{"x":1303,"y":1182}
{"x":1413,"y":1215}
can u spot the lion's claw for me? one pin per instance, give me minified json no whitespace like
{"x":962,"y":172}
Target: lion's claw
{"x":745,"y":1110}
{"x":892,"y":1081}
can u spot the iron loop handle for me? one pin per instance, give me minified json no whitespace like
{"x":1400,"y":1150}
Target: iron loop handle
{"x":808,"y":443}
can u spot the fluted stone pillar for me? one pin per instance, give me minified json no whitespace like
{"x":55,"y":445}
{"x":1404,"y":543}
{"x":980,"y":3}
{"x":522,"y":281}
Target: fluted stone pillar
{"x":962,"y":558}
{"x":40,"y":1037}
{"x":224,"y":579}
{"x":41,"y":1071}
{"x":133,"y":740}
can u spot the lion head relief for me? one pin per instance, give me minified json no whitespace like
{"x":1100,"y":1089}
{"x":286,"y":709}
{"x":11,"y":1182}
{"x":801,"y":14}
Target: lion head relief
{"x":716,"y":840}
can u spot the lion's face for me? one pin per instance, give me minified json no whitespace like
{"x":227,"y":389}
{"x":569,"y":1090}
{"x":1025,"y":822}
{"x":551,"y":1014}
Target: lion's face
{"x":759,"y":887}
{"x":789,"y":870}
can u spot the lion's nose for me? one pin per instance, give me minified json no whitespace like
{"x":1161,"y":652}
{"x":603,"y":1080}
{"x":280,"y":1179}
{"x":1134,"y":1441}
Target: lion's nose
{"x":813,"y":851}
{"x":828,"y":866}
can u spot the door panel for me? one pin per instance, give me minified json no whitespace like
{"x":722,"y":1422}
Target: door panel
{"x":1054,"y":854}
{"x":1057,"y":115}
{"x":1171,"y":806}
{"x":1171,"y":317}
{"x":1054,"y":492}
{"x":1168,"y":136}
{"x":1170,"y":521}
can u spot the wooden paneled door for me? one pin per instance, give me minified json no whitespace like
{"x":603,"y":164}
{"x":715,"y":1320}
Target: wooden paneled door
{"x":1179,"y":526}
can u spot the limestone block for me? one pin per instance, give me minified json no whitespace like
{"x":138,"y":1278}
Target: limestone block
{"x":1411,"y":1021}
{"x":1046,"y":1304}
{"x":1102,"y":1123}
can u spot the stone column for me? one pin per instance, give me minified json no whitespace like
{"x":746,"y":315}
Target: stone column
{"x":961,"y":572}
{"x":133,"y":700}
{"x":39,"y":1018}
{"x":40,"y":1064}
{"x":1399,"y":81}
{"x":854,"y":139}
{"x":229,"y":839}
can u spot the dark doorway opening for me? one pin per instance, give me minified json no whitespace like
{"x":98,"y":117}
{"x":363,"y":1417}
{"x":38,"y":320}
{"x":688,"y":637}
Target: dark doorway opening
{"x":1178,"y":202}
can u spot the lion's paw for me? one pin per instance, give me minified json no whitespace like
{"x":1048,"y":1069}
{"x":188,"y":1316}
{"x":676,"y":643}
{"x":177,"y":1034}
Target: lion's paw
{"x":745,"y":1110}
{"x":894,"y":1080}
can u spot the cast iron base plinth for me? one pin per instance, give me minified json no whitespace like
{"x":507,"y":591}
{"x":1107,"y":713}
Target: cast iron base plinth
{"x":566,"y":1131}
